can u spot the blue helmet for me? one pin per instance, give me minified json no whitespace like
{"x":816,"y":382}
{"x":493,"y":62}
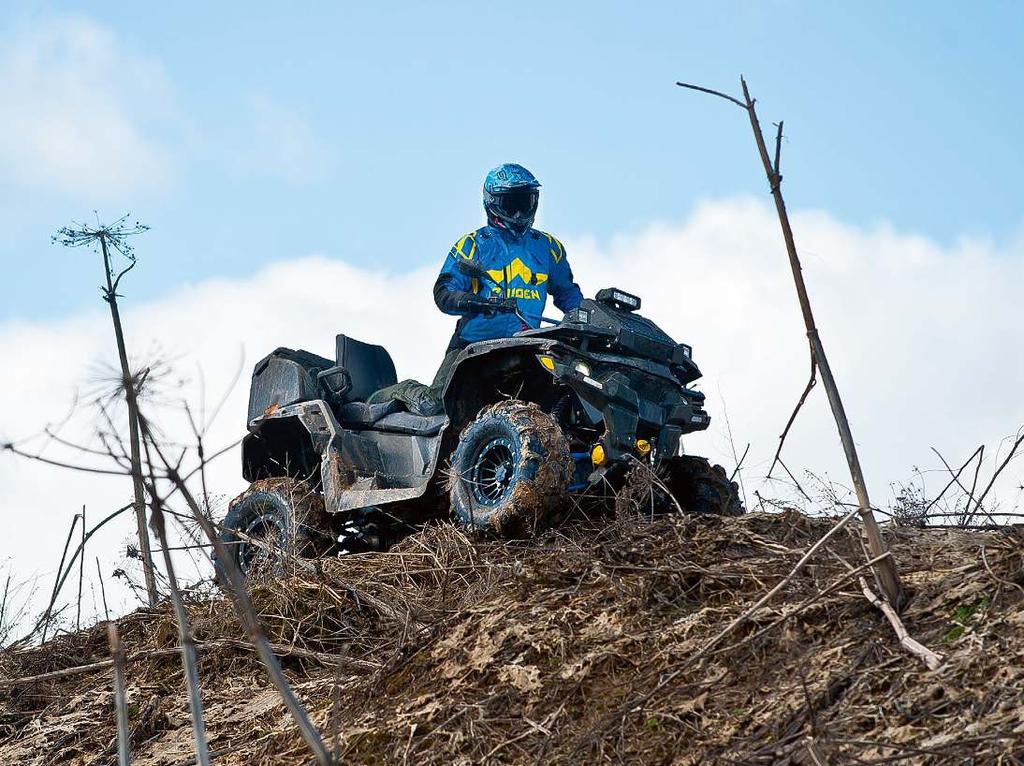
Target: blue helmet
{"x":511,"y":194}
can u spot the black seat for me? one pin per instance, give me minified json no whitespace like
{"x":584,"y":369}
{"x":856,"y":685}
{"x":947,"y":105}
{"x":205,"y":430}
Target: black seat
{"x":363,"y":415}
{"x":386,"y":416}
{"x":361,"y":369}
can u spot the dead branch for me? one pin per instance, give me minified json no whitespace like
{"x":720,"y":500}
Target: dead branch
{"x":955,"y":477}
{"x":81,"y":576}
{"x":926,"y":655}
{"x":887,"y":571}
{"x":968,"y":516}
{"x":120,"y":702}
{"x":280,"y":650}
{"x":103,"y":589}
{"x":45,"y":622}
{"x":811,"y":382}
{"x":188,"y":648}
{"x":244,"y":609}
{"x":999,"y":470}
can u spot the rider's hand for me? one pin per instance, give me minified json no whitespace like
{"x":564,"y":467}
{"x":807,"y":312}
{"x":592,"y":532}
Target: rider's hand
{"x":506,"y":305}
{"x":491,"y":306}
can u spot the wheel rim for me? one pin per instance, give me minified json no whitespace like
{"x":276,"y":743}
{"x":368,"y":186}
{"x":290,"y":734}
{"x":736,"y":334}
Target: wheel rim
{"x":493,"y":470}
{"x":265,"y":528}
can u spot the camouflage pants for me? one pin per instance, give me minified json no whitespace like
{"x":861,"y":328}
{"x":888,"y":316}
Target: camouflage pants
{"x":419,"y":397}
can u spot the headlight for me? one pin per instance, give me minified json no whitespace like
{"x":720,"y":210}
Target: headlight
{"x":582,"y":368}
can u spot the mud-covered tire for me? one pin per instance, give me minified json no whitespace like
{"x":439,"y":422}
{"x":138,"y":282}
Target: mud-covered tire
{"x":284,"y":514}
{"x":510,"y":470}
{"x":697,"y":485}
{"x":704,"y":488}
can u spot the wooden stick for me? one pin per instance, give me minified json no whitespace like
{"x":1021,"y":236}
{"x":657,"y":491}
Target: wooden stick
{"x":244,"y":608}
{"x":280,"y":650}
{"x":188,"y":648}
{"x":999,"y":470}
{"x":103,"y":590}
{"x":926,"y":655}
{"x":123,"y":745}
{"x":59,"y":581}
{"x":81,"y":576}
{"x":887,"y":573}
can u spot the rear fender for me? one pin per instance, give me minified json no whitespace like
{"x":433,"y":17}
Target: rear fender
{"x":301,"y":440}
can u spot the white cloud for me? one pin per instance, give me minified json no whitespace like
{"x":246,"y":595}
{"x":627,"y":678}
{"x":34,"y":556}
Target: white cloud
{"x":924,"y":341}
{"x":74,"y":102}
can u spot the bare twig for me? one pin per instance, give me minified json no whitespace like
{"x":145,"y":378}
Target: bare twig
{"x":281,"y":650}
{"x":968,"y":516}
{"x":65,"y":572}
{"x":926,"y":655}
{"x":244,"y":609}
{"x":811,"y":381}
{"x":806,"y":603}
{"x":188,"y":649}
{"x":713,"y":93}
{"x":887,"y":572}
{"x":120,"y":702}
{"x":59,"y":581}
{"x":999,"y":470}
{"x":81,"y":576}
{"x":739,"y":463}
{"x":103,"y":590}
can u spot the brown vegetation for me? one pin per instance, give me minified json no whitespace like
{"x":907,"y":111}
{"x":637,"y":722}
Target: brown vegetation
{"x":577,"y":647}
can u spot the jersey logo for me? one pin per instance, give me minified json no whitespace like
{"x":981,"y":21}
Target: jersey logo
{"x":517,"y":270}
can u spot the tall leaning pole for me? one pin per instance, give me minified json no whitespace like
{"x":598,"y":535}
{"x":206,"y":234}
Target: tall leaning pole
{"x":885,"y":569}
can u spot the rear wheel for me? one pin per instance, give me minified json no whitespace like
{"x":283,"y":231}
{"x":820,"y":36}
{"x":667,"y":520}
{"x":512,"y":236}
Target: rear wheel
{"x":272,"y":521}
{"x":510,"y":470}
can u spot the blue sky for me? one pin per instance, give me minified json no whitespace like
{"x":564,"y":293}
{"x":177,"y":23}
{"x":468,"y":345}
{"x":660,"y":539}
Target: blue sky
{"x":364,"y":132}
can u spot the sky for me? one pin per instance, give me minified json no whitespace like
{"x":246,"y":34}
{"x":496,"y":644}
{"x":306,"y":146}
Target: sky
{"x":304,"y":172}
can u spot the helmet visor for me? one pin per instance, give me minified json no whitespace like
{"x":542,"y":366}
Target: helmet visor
{"x":519,"y":203}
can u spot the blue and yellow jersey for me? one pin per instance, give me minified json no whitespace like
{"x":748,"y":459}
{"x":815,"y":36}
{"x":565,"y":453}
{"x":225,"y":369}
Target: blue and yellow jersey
{"x":526,"y":268}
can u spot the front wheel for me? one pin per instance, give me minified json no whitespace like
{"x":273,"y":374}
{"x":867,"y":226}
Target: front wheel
{"x":272,"y":521}
{"x":510,"y":470}
{"x":688,"y":483}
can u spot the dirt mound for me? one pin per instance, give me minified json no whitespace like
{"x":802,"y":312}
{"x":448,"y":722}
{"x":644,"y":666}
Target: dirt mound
{"x":575,"y":648}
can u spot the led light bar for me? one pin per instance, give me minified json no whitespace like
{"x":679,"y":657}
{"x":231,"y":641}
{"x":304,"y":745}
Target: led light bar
{"x":616,"y":298}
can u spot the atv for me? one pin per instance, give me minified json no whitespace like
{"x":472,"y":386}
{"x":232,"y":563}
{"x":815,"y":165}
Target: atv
{"x":592,"y":406}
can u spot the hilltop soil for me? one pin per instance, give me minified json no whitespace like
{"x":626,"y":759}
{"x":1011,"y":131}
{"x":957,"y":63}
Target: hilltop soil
{"x":577,"y":647}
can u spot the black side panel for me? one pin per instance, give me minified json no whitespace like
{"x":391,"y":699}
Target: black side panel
{"x":369,"y":367}
{"x":281,"y":447}
{"x":284,"y":377}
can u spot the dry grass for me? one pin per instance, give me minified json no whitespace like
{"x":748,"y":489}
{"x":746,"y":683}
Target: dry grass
{"x":451,"y":650}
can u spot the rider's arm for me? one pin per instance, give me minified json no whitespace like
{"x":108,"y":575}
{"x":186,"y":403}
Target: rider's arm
{"x":564,"y":291}
{"x":449,"y":298}
{"x":453,"y":290}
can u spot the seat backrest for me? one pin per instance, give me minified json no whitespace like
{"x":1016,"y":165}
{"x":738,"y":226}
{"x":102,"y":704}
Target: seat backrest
{"x":369,"y":367}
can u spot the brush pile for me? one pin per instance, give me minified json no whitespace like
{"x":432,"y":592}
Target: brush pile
{"x":577,"y":647}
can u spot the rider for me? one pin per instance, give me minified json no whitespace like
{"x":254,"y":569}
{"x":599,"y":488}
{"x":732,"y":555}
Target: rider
{"x":524,"y":265}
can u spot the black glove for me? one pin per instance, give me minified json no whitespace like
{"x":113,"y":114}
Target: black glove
{"x":491,"y":306}
{"x":503,"y":305}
